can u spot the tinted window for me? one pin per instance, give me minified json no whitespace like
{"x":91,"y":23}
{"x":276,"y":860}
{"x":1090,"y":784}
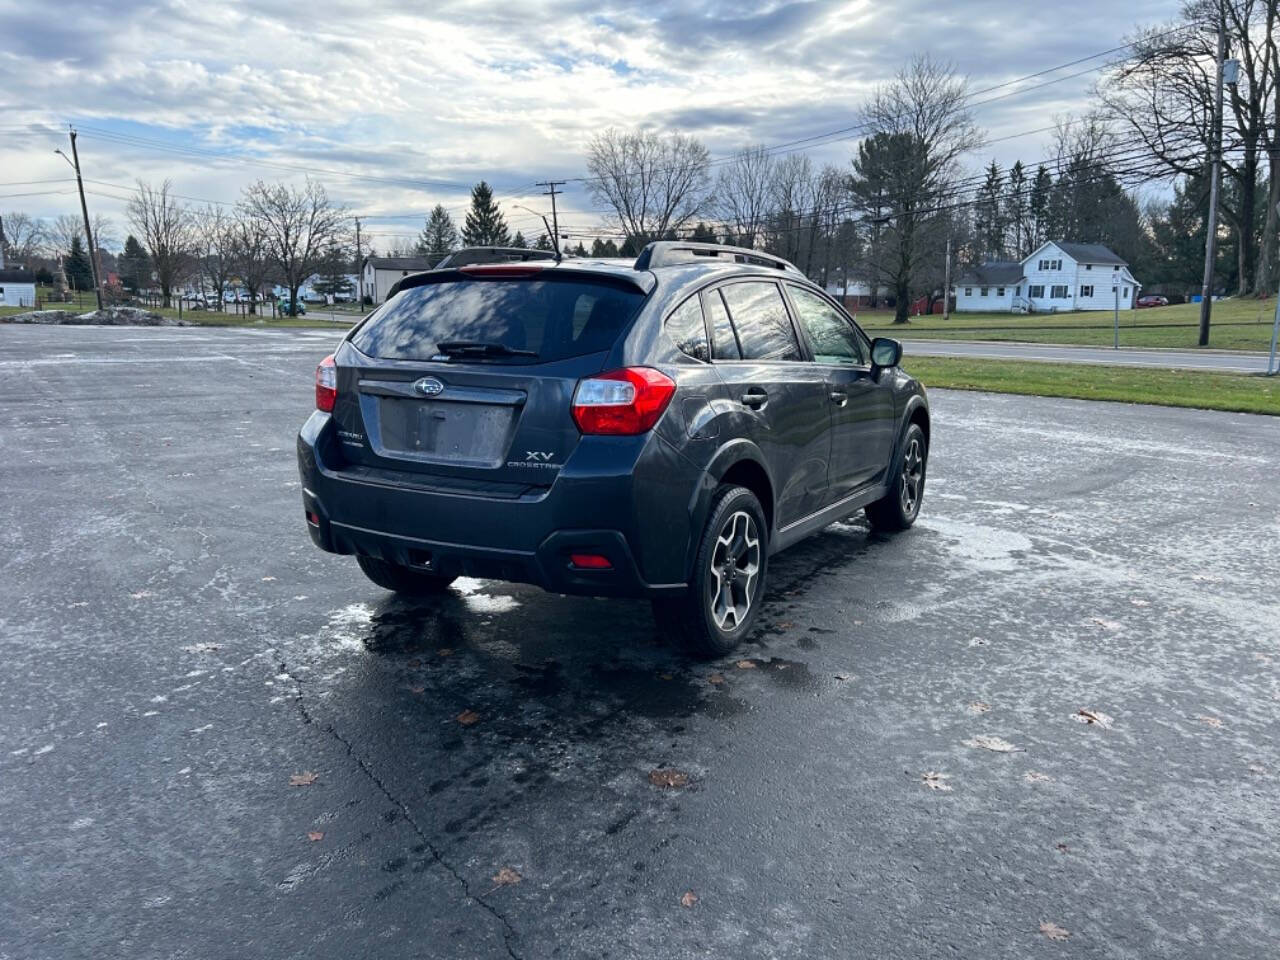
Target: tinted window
{"x":832,"y":335}
{"x":687,"y":330}
{"x":553,"y":318}
{"x":724,"y":342}
{"x":760,"y":320}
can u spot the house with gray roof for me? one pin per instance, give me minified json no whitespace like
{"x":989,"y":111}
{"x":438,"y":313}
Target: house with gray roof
{"x":1054,"y":277}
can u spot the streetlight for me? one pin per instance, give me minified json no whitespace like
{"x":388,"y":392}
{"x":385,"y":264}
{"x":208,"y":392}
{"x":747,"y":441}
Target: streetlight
{"x":84,"y":209}
{"x":555,"y":241}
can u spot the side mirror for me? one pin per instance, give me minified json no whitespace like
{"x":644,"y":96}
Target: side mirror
{"x":885,"y":352}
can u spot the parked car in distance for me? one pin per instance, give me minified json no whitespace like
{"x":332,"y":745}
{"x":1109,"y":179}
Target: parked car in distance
{"x":1152,"y":300}
{"x":655,"y":428}
{"x":282,"y":307}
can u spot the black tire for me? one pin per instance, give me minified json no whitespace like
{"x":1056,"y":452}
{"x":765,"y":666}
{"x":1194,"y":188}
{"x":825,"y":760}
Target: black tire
{"x":403,"y":580}
{"x":729,"y":571}
{"x":900,"y":506}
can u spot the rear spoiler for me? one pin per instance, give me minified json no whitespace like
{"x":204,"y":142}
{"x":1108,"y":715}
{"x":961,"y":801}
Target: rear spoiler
{"x":469,"y":255}
{"x":665,"y":253}
{"x":640,"y":282}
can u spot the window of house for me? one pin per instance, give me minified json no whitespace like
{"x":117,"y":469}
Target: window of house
{"x":968,"y":291}
{"x":1035,"y":290}
{"x":724,"y":343}
{"x":1126,"y":291}
{"x":984,"y":290}
{"x":687,"y":330}
{"x":1044,"y":265}
{"x":830,"y":332}
{"x":1088,"y":266}
{"x":1017,"y":291}
{"x":1086,"y":291}
{"x":1058,"y":292}
{"x":999,"y":291}
{"x":760,"y":320}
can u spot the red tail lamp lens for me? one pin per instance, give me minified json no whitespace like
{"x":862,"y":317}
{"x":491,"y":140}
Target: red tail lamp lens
{"x":622,"y":402}
{"x":326,"y":384}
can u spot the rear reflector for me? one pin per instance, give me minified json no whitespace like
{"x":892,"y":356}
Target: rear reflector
{"x":622,"y":402}
{"x":313,"y":518}
{"x":326,"y":384}
{"x":590,"y":561}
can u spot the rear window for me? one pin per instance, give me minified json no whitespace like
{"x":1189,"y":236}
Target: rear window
{"x":554,"y":319}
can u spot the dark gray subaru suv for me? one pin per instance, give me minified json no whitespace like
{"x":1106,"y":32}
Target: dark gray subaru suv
{"x":655,"y":428}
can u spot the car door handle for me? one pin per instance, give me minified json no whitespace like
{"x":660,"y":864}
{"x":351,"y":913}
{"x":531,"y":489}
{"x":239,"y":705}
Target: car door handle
{"x":755,"y":398}
{"x":839,"y":397}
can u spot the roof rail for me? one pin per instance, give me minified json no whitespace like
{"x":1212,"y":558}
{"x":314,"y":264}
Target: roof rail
{"x":469,"y":255}
{"x":665,"y":253}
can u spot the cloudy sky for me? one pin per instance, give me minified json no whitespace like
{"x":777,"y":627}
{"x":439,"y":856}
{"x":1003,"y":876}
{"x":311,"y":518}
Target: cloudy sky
{"x":396,"y":106}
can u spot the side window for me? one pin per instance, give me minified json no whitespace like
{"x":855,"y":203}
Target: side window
{"x":760,"y":320}
{"x":724,"y":343}
{"x":833,"y":337}
{"x":687,"y":330}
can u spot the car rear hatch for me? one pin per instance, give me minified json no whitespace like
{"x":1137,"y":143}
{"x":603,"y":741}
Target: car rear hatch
{"x":465,"y":379}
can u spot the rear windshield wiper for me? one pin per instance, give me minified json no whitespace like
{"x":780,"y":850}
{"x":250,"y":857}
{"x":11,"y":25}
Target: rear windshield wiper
{"x":481,"y":347}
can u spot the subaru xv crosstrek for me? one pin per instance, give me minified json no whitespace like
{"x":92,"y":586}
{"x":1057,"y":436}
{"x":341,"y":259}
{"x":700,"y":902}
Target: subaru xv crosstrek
{"x":655,"y":428}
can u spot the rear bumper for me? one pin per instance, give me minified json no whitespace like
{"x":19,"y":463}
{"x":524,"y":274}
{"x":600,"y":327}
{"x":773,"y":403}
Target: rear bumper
{"x":523,"y":540}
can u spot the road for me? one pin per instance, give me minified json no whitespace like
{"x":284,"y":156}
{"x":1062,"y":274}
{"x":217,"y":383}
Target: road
{"x":1221,"y":361}
{"x":176,"y":653}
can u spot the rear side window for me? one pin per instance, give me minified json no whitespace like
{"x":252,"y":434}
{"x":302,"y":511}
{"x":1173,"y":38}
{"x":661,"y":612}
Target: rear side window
{"x":760,"y":319}
{"x":554,"y":319}
{"x":687,"y":330}
{"x":724,"y":344}
{"x":832,"y":335}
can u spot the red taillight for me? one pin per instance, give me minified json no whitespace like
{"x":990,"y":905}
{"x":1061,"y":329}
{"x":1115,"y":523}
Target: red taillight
{"x":590,"y":561}
{"x":622,"y":402}
{"x":326,"y":384}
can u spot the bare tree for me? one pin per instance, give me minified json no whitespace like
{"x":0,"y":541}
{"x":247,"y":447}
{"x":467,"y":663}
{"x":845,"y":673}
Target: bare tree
{"x":743,"y":195}
{"x":214,"y":236}
{"x":655,"y":184}
{"x":299,"y":224}
{"x":921,"y":128}
{"x":1164,"y":96}
{"x":62,"y":230}
{"x":249,"y":256}
{"x":167,"y":231}
{"x":24,"y":236}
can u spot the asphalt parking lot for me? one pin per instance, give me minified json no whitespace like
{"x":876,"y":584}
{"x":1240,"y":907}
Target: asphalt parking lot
{"x":176,"y":653}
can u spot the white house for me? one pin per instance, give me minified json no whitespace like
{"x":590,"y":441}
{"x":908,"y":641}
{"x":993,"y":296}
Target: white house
{"x":17,"y":287}
{"x":379,"y":274}
{"x":1056,"y":276}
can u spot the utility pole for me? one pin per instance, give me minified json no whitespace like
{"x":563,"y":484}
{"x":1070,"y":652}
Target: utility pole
{"x":555,"y":223}
{"x":359,"y":270}
{"x":946,"y":285}
{"x":1215,"y":174}
{"x":84,"y":209}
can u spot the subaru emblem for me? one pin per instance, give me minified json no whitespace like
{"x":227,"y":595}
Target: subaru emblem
{"x":429,"y":386}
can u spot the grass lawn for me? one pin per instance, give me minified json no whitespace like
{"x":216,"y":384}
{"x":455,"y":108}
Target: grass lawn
{"x":1235,"y":325}
{"x":1244,"y":393}
{"x":343,"y":316}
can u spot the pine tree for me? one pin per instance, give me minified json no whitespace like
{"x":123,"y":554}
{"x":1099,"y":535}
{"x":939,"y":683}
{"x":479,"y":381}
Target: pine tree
{"x":543,"y":242}
{"x":1041,"y":191}
{"x":439,"y":236}
{"x":485,"y":226}
{"x":333,"y":280}
{"x":989,"y":214}
{"x":79,"y":271}
{"x":135,"y":265}
{"x":520,"y":241}
{"x":703,"y":234}
{"x":1015,"y":212}
{"x":603,"y":248}
{"x":579,"y":250}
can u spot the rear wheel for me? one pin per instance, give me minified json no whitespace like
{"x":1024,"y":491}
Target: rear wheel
{"x":900,"y":506}
{"x":722,"y":601}
{"x":402,"y":580}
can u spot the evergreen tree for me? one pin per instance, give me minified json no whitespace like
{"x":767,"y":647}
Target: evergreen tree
{"x":604,"y":249}
{"x":1041,"y":187}
{"x":579,"y":250}
{"x":520,"y":241}
{"x":703,"y":234}
{"x":543,"y":242}
{"x":989,"y":214}
{"x":485,"y":226}
{"x":333,"y":280}
{"x":135,"y":266}
{"x":1016,"y":216}
{"x":439,"y":236}
{"x":79,"y":271}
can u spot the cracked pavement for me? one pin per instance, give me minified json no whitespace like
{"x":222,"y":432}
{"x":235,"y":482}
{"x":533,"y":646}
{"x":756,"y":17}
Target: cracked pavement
{"x":177,"y":650}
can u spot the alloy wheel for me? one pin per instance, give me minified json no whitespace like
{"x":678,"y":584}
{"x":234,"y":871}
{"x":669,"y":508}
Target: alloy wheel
{"x":735,"y":570}
{"x":912,"y":477}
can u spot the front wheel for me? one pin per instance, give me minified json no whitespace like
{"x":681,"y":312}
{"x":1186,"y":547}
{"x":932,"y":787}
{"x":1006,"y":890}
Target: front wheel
{"x":900,"y":505}
{"x":402,"y":580}
{"x":724,"y":597}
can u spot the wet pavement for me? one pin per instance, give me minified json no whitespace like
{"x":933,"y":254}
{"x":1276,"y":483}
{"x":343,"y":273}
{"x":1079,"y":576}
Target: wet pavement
{"x":176,"y":652}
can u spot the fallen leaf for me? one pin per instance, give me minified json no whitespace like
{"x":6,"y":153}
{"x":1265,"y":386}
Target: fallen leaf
{"x":1053,"y":931}
{"x":1209,"y":721}
{"x":506,"y":877}
{"x":1062,"y":848}
{"x":843,"y":676}
{"x":202,"y":647}
{"x":785,"y":625}
{"x":445,"y":652}
{"x":746,"y":664}
{"x":1035,"y":776}
{"x":1105,"y":623}
{"x":668,"y":778}
{"x":666,"y":676}
{"x":994,"y":744}
{"x":315,"y":835}
{"x":689,"y":899}
{"x":936,"y":781}
{"x":979,"y":706}
{"x":303,"y":779}
{"x":468,"y":717}
{"x":1093,"y":718}
{"x":716,"y":678}
{"x":977,"y":642}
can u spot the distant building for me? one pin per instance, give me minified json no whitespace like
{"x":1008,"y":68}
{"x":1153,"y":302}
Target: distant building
{"x":379,"y":274}
{"x":17,"y":287}
{"x":1056,"y":276}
